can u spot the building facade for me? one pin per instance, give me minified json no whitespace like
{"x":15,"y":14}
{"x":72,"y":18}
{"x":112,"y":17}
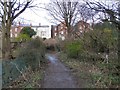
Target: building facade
{"x":59,"y":31}
{"x":42,"y":31}
{"x":16,"y":29}
{"x":78,"y":29}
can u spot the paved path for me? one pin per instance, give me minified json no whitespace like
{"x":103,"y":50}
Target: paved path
{"x":57,"y":75}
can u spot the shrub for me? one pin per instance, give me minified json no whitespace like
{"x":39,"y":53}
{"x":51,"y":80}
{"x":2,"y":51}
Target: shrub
{"x":74,"y":48}
{"x":28,"y":31}
{"x":23,"y":38}
{"x":102,"y":39}
{"x":33,"y":53}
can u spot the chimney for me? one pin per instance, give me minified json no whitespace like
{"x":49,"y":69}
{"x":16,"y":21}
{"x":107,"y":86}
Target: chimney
{"x":39,"y":24}
{"x":19,"y":23}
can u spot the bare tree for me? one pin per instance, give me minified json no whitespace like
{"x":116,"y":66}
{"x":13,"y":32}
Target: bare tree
{"x":64,"y":11}
{"x":86,"y":13}
{"x":109,"y":10}
{"x":9,"y":11}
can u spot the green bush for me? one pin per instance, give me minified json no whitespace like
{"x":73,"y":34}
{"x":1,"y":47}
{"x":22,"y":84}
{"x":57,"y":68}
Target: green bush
{"x":23,"y":38}
{"x":33,"y":53}
{"x":28,"y":31}
{"x":74,"y":48}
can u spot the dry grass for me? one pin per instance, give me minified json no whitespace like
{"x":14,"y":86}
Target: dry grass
{"x":87,"y":74}
{"x":33,"y":79}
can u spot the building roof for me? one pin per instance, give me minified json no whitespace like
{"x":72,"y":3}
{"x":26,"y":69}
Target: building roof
{"x":41,"y":26}
{"x":28,"y":25}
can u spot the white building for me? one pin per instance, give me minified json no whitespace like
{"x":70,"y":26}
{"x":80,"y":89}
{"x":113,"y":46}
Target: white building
{"x":43,"y":31}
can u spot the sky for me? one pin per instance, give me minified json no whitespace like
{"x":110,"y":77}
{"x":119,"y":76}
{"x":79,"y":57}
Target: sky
{"x":36,"y":16}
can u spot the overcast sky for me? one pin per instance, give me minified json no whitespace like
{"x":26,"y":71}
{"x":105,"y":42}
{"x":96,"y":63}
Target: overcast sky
{"x":35,"y":16}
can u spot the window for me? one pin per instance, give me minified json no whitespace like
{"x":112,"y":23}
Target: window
{"x":80,"y":27}
{"x":55,"y":29}
{"x":63,"y":38}
{"x":81,"y":31}
{"x":15,"y":34}
{"x":43,"y":33}
{"x":15,"y":29}
{"x":62,"y":32}
{"x":11,"y":35}
{"x":55,"y":34}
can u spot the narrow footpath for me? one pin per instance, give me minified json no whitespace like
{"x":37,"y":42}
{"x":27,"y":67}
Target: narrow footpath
{"x":57,"y":75}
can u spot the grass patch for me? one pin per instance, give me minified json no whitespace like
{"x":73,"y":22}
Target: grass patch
{"x":80,"y":70}
{"x":89,"y":75}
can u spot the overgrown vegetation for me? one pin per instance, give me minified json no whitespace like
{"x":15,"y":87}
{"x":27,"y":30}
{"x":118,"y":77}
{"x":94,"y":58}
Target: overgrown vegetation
{"x":33,"y":53}
{"x":31,"y":79}
{"x":98,"y":49}
{"x":30,"y":59}
{"x":73,"y":49}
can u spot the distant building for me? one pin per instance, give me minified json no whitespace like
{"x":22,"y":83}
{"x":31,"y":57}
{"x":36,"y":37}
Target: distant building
{"x":80,"y":28}
{"x":59,"y":31}
{"x":16,"y":29}
{"x":42,"y":31}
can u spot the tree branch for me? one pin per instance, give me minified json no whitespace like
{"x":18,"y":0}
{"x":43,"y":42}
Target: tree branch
{"x":22,"y":10}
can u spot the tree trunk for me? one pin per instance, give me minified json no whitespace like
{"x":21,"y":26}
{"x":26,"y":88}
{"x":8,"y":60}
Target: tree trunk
{"x":6,"y":46}
{"x":69,"y":32}
{"x":6,"y":26}
{"x":3,"y":41}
